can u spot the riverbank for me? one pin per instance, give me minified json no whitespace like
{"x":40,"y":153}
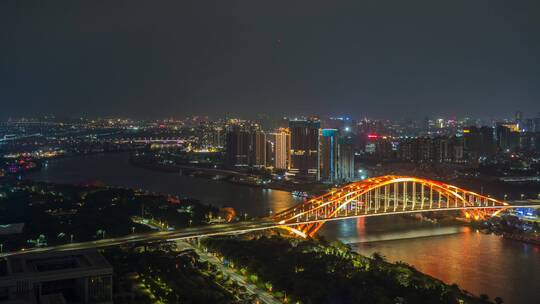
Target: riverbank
{"x":36,"y":214}
{"x":454,"y":254}
{"x":20,"y":159}
{"x":331,"y":272}
{"x":486,"y":227}
{"x":534,"y":240}
{"x":511,"y":227}
{"x":234,"y":177}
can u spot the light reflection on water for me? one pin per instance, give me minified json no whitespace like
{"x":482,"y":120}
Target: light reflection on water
{"x":355,"y":231}
{"x":477,"y":262}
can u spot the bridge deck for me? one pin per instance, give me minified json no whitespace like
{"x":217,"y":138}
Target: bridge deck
{"x":225,"y":229}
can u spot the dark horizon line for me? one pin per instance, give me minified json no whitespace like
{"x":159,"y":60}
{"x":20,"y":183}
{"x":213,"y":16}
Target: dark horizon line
{"x":511,"y":116}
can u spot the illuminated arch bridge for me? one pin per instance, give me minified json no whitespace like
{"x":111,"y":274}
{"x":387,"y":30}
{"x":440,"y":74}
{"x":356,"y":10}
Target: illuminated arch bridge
{"x":378,"y":196}
{"x":385,"y":195}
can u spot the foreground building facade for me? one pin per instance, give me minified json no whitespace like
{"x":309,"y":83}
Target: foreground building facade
{"x":70,"y":277}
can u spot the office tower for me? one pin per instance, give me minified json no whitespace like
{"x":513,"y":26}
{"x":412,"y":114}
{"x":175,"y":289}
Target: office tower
{"x":282,"y":149}
{"x":238,"y":147}
{"x":336,"y":156}
{"x":304,"y":146}
{"x":328,"y":155}
{"x":257,"y":149}
{"x":345,"y":158}
{"x":246,"y":145}
{"x":507,"y":137}
{"x":478,"y":142}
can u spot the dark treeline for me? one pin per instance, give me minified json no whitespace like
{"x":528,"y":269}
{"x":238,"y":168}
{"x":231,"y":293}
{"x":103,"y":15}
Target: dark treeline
{"x":313,"y":271}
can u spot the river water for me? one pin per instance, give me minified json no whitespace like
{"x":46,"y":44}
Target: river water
{"x":477,"y":262}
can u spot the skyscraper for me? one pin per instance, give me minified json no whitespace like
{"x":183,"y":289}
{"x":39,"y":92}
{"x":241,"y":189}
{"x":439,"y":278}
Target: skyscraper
{"x":238,"y":147}
{"x":282,"y":149}
{"x":246,"y":145}
{"x":507,"y":137}
{"x":345,"y":158}
{"x":478,"y":142}
{"x":304,"y":146}
{"x":328,"y":155}
{"x":257,"y":149}
{"x":336,"y":156}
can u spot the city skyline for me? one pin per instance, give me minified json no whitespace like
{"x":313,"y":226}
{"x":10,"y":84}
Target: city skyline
{"x":508,"y":116}
{"x":270,"y":152}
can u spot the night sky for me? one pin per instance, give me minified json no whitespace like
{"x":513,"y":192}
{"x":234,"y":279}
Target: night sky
{"x":380,"y":58}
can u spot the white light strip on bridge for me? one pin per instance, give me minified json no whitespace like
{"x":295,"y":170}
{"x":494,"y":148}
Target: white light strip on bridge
{"x":409,"y":211}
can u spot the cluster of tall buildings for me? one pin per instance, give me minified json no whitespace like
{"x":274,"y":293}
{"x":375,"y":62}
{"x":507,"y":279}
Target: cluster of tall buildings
{"x":303,"y":149}
{"x":425,"y":149}
{"x":527,"y":124}
{"x":326,"y":151}
{"x":247,"y":145}
{"x":474,"y":144}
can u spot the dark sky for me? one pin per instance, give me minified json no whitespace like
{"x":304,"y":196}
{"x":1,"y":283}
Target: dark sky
{"x":382,"y":58}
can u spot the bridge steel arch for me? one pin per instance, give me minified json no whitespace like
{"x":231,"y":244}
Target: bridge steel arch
{"x":385,"y":195}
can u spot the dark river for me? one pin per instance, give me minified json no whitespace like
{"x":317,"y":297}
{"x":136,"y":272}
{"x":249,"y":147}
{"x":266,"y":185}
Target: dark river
{"x":477,"y":262}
